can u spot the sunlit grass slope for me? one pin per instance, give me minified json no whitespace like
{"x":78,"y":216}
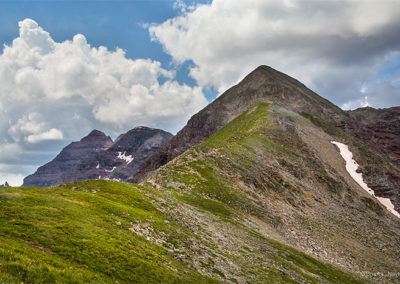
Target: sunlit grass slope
{"x":79,"y":232}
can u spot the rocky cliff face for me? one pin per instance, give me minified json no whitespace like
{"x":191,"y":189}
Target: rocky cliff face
{"x":380,"y":128}
{"x":97,"y":157}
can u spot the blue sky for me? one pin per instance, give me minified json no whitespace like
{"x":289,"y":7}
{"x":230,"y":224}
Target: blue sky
{"x":108,"y":23}
{"x":165,"y":60}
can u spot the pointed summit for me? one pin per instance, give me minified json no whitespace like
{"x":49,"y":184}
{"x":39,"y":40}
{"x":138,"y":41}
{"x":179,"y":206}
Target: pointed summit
{"x":97,"y":139}
{"x":96,"y":132}
{"x":51,"y":173}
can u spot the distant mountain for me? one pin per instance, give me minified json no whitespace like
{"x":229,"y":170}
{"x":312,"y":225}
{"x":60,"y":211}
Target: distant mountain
{"x":122,"y":159}
{"x":96,"y":156}
{"x":50,"y":173}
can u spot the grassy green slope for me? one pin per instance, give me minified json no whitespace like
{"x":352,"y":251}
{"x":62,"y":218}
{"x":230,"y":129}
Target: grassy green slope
{"x":207,"y":216}
{"x":79,"y":232}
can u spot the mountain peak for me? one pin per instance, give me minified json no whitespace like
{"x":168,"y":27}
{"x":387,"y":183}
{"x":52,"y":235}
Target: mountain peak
{"x":141,"y":127}
{"x":263,"y":85}
{"x":96,"y":132}
{"x":265,"y":68}
{"x":50,"y":173}
{"x":265,"y":73}
{"x":98,"y":137}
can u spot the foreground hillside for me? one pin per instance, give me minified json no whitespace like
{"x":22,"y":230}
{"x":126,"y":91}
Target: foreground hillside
{"x":218,"y":213}
{"x":105,"y":231}
{"x":87,"y":232}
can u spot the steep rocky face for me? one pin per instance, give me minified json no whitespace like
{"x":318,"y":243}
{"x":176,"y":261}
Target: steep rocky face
{"x":50,"y":173}
{"x":264,"y":84}
{"x":380,"y":128}
{"x":123,"y":158}
{"x":97,"y":157}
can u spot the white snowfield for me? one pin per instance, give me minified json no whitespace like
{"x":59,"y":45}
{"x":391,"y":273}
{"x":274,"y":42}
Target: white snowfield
{"x":352,"y":166}
{"x":110,"y":171}
{"x":98,"y":165}
{"x":127,"y":158}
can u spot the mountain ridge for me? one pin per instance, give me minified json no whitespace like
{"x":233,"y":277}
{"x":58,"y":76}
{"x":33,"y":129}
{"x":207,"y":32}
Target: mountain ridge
{"x":381,"y":128}
{"x":266,"y":84}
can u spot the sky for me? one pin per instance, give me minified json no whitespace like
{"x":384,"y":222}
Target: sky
{"x":67,"y":67}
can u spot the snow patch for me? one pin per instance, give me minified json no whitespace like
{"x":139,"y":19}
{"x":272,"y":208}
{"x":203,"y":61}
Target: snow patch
{"x":352,"y":166}
{"x":98,"y":165}
{"x":110,"y":171}
{"x":126,"y":158}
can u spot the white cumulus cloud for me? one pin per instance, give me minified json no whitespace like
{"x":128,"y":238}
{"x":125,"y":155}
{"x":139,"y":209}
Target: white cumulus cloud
{"x":53,"y":92}
{"x":52,"y":134}
{"x":334,"y":47}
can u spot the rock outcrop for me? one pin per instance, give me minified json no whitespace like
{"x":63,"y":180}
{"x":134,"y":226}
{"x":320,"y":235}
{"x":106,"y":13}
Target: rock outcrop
{"x":380,"y":128}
